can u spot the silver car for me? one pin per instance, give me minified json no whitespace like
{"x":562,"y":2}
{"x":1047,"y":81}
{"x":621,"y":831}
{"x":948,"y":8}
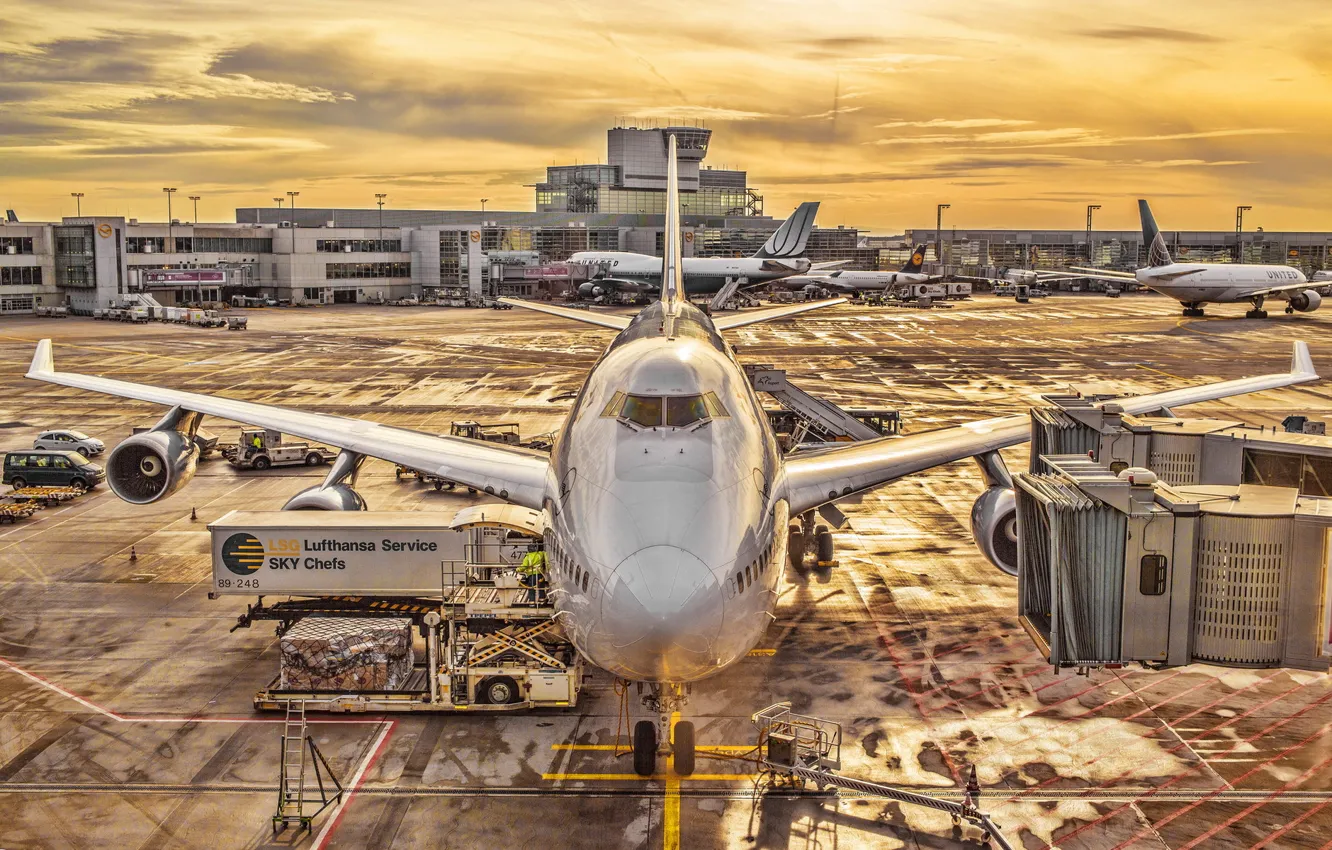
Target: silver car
{"x":67,"y":440}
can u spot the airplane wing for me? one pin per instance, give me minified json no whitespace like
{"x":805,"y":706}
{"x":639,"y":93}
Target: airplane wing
{"x":515,"y":474}
{"x":1292,"y":287}
{"x":1105,"y":274}
{"x":587,"y":317}
{"x":831,"y":264}
{"x":739,"y":320}
{"x":820,"y":476}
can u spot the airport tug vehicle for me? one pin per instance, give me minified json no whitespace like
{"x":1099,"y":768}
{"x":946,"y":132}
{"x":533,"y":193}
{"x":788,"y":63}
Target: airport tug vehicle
{"x":262,"y":449}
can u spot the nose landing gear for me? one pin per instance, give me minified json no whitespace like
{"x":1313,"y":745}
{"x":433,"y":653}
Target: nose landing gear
{"x":665,"y":700}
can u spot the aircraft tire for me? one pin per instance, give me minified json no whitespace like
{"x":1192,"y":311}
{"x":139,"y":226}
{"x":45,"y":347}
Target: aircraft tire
{"x":823,"y":545}
{"x":645,"y":748}
{"x":684,"y":748}
{"x":795,"y":550}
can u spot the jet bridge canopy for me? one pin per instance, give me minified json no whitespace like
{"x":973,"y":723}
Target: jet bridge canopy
{"x":511,"y":517}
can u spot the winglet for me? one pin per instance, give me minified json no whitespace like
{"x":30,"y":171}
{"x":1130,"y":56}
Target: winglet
{"x":1300,"y":361}
{"x":42,"y":361}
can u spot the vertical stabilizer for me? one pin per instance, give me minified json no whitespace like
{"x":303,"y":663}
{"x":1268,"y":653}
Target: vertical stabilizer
{"x":1157,"y":252}
{"x":672,"y":264}
{"x":789,"y":240}
{"x":917,"y":261}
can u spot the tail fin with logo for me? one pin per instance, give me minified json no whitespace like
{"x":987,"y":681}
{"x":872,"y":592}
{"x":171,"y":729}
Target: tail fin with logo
{"x":917,"y":261}
{"x":1157,"y":252}
{"x":790,"y":238}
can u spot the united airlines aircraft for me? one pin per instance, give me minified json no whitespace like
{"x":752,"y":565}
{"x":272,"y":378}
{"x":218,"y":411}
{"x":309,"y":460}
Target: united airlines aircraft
{"x":666,"y":498}
{"x":1195,"y":284}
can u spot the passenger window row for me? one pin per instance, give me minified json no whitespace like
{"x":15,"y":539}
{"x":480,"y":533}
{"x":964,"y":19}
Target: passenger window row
{"x":562,"y":565}
{"x":752,"y":572}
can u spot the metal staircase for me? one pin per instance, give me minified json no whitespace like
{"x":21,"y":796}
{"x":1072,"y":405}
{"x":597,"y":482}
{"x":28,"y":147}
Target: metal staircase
{"x":726,"y":293}
{"x":822,"y":417}
{"x":810,"y":749}
{"x":292,"y":797}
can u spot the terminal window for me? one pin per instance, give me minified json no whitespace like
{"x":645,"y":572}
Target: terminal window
{"x":1310,"y":474}
{"x":21,"y":275}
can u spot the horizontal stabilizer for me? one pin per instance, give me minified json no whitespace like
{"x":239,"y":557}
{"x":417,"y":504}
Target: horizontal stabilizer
{"x":739,"y":320}
{"x":587,"y":317}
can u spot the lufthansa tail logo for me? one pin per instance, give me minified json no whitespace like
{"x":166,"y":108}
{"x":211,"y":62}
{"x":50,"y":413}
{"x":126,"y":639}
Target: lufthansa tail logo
{"x":917,"y":258}
{"x":243,"y":554}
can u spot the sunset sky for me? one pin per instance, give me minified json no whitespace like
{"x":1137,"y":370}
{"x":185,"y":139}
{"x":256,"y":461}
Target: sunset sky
{"x":1016,"y":113}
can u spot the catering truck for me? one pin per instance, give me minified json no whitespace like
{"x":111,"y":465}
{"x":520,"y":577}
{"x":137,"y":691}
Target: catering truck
{"x":353,"y":585}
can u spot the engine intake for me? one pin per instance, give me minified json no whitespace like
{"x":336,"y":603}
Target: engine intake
{"x":994,"y":525}
{"x":326,"y":497}
{"x":151,"y":466}
{"x":1306,"y":301}
{"x":590,"y":290}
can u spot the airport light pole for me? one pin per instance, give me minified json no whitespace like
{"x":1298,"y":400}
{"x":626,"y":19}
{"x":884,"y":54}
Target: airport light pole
{"x":1239,"y":232}
{"x":170,"y":248}
{"x":78,"y":203}
{"x":483,"y":205}
{"x":279,"y":202}
{"x":292,"y":206}
{"x":1091,"y":254}
{"x":379,"y":200}
{"x":196,"y":198}
{"x":938,"y":231}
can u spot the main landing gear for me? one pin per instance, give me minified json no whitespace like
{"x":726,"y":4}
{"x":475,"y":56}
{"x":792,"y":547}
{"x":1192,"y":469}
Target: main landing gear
{"x":1193,"y":310}
{"x":664,"y":700}
{"x":1257,"y":312}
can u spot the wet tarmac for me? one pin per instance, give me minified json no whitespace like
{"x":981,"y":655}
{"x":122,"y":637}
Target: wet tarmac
{"x":125,"y":701}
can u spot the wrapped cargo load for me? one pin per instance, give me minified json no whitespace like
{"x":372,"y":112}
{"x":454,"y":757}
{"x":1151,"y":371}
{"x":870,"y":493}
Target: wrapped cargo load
{"x":338,"y":654}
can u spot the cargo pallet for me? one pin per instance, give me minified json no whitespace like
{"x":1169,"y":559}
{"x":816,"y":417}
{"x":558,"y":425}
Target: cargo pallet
{"x":12,"y":512}
{"x":46,"y":496}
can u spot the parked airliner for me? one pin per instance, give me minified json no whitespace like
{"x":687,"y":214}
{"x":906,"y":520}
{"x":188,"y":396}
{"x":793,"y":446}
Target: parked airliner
{"x":782,"y":255}
{"x":666,"y":499}
{"x":1195,"y":284}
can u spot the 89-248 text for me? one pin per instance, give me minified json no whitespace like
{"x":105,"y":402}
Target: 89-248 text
{"x":247,"y":583}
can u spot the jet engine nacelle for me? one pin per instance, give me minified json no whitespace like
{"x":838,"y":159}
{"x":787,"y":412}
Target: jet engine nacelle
{"x":994,"y":525}
{"x":1306,"y":301}
{"x":336,"y":497}
{"x":151,"y":466}
{"x":590,"y":290}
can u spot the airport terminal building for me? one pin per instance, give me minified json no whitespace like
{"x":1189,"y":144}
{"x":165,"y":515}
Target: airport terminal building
{"x":336,"y":255}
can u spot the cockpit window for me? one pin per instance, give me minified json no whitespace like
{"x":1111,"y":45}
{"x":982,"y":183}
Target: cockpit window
{"x":682,"y":410}
{"x":673,"y":411}
{"x":642,"y":410}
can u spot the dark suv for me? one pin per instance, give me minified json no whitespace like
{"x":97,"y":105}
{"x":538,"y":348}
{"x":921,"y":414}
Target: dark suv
{"x":51,"y":469}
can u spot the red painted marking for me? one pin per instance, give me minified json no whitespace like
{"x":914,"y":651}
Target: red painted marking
{"x":1181,"y":745}
{"x":1253,"y":808}
{"x":1137,"y":714}
{"x":1185,"y":773}
{"x":1308,"y":813}
{"x":1089,"y":711}
{"x":356,"y":784}
{"x":990,"y":668}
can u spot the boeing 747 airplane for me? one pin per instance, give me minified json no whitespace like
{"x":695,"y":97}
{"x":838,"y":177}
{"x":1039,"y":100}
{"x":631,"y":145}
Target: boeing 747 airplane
{"x":667,"y":501}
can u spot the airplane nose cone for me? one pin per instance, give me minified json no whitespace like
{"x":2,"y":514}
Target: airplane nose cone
{"x":661,"y":615}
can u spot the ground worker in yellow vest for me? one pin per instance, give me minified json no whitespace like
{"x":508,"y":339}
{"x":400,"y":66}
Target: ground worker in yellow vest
{"x":533,"y":567}
{"x":255,"y":445}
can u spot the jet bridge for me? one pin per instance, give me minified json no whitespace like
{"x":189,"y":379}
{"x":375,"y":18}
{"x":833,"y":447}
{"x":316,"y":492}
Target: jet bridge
{"x":1122,"y":568}
{"x":1167,"y":541}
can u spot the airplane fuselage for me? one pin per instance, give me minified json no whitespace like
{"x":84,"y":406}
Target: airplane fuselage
{"x":702,"y":274}
{"x":666,"y":540}
{"x":1218,"y":283}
